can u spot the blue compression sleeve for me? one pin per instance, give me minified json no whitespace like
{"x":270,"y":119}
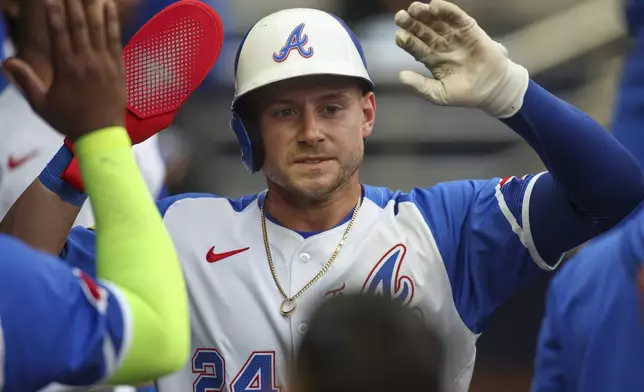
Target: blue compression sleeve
{"x":593,"y":182}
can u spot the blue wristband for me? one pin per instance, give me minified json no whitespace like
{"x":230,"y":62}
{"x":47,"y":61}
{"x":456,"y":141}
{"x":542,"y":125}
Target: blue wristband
{"x":50,"y":177}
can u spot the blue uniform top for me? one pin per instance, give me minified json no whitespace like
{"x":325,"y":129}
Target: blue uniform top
{"x":592,"y":338}
{"x":56,"y":323}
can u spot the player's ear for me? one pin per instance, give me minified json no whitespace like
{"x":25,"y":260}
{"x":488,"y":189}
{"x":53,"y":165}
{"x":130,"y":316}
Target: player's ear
{"x":368,"y":103}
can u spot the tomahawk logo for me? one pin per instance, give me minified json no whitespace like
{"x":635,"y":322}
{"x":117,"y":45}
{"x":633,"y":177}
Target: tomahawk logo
{"x":385,"y":278}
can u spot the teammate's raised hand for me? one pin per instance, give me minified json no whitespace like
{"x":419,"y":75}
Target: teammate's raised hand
{"x":88,"y":91}
{"x":469,"y":68}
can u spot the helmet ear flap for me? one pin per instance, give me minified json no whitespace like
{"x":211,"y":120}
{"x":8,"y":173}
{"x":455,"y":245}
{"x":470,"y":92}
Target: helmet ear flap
{"x":250,"y":141}
{"x":257,"y":146}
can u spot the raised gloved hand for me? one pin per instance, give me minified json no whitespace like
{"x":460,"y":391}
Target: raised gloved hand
{"x":469,"y":68}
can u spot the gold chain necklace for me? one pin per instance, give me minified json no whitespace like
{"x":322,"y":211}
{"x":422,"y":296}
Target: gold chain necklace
{"x":288,"y":304}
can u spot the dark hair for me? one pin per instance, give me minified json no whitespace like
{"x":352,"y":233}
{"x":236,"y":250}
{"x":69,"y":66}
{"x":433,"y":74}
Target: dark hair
{"x":366,"y":343}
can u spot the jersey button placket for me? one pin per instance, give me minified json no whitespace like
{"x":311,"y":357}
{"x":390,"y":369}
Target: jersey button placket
{"x":303,"y":269}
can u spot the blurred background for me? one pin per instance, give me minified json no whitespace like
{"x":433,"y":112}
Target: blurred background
{"x":573,"y":48}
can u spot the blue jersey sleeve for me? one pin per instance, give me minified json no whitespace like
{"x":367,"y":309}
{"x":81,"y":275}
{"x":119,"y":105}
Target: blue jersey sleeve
{"x":482,"y":230}
{"x":57,"y":325}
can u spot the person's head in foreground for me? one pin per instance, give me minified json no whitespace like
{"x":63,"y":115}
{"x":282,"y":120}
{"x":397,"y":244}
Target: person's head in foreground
{"x":366,"y":343}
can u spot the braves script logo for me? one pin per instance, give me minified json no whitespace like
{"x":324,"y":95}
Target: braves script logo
{"x":337,"y":291}
{"x":295,"y":41}
{"x":384,"y":279}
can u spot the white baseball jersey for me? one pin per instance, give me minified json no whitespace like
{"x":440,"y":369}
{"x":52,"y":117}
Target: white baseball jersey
{"x":28,"y":143}
{"x":452,"y":252}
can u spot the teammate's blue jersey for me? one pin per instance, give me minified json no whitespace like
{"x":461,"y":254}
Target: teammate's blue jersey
{"x":56,"y":323}
{"x":592,"y":338}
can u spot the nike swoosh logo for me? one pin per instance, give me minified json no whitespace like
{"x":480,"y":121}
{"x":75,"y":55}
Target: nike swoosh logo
{"x":213,"y":257}
{"x":15,"y":163}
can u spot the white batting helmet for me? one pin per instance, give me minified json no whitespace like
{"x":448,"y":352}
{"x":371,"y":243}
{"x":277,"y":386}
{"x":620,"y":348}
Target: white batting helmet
{"x":288,"y":44}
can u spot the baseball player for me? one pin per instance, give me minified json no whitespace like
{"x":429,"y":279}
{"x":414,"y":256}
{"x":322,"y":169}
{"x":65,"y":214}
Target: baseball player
{"x":592,"y":336}
{"x":59,"y":324}
{"x":368,"y":343}
{"x":304,"y":104}
{"x":28,"y":143}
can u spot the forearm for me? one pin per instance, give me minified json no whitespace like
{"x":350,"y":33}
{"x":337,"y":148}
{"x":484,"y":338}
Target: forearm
{"x":40,"y":218}
{"x":596,"y":173}
{"x":135,"y":253}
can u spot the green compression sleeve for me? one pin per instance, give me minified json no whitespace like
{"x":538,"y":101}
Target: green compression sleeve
{"x":136,"y":254}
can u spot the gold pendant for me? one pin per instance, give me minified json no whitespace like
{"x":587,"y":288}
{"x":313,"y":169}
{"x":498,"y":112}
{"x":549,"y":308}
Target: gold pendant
{"x":287,"y":308}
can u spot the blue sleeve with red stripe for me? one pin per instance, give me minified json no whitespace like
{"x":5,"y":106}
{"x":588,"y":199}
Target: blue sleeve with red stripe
{"x":57,"y":325}
{"x":495,"y":236}
{"x":479,"y":229}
